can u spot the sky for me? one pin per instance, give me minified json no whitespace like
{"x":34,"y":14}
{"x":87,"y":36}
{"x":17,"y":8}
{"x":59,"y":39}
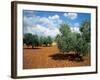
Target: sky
{"x":47,"y":23}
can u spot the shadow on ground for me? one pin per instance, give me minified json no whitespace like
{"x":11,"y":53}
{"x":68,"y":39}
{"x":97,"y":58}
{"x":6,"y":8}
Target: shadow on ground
{"x":70,"y":57}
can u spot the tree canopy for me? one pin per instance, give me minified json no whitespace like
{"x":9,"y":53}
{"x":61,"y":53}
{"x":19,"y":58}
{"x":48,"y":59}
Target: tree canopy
{"x":35,"y":40}
{"x":73,"y":41}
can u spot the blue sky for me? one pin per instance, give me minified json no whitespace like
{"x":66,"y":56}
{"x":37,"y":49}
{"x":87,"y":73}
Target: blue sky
{"x":47,"y":23}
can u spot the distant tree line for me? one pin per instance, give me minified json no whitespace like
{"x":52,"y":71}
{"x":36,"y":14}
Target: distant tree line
{"x":35,"y":40}
{"x":73,"y":41}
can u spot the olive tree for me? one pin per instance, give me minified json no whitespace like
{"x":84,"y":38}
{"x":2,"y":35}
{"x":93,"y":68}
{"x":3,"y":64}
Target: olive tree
{"x":73,"y":41}
{"x":35,"y":41}
{"x":41,"y":40}
{"x":50,"y":40}
{"x":28,"y":39}
{"x":86,"y":36}
{"x":86,"y":30}
{"x":63,"y":39}
{"x":31,"y":40}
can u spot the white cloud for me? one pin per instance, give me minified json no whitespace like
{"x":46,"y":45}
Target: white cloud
{"x":30,"y":21}
{"x":49,"y":19}
{"x":44,"y":20}
{"x":41,"y":30}
{"x":55,"y":17}
{"x":47,"y":22}
{"x":28,"y":30}
{"x":47,"y":26}
{"x":71,"y":16}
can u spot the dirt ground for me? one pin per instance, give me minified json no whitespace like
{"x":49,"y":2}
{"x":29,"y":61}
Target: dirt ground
{"x":49,"y":57}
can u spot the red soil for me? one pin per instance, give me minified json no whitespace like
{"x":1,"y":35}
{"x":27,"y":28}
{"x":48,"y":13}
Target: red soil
{"x":42,"y":57}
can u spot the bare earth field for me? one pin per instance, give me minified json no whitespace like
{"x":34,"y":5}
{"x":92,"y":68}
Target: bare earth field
{"x":49,"y":57}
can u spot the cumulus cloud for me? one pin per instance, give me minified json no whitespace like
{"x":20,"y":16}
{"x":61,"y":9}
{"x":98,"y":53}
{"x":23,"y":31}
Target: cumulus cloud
{"x":71,"y":16}
{"x":51,"y":20}
{"x":44,"y":20}
{"x":55,"y":17}
{"x":41,"y":30}
{"x":47,"y":26}
{"x":30,"y":21}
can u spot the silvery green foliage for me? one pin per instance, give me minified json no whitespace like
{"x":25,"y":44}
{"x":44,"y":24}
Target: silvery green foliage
{"x":73,"y":41}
